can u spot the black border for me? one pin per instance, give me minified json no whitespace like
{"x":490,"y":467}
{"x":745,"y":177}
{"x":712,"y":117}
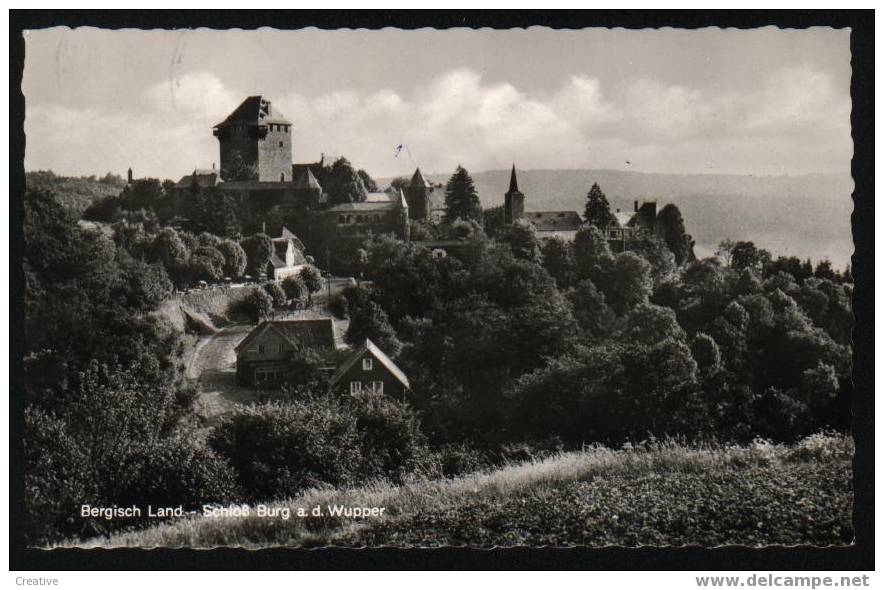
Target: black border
{"x":860,"y":556}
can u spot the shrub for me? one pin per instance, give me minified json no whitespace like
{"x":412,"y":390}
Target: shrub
{"x":311,"y":278}
{"x":255,"y":306}
{"x":280,"y":449}
{"x":294,"y":287}
{"x":339,"y":307}
{"x":276,"y":293}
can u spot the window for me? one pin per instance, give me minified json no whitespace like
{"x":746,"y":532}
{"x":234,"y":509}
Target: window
{"x":261,"y":349}
{"x":366,"y":364}
{"x":355,"y":387}
{"x":280,"y":347}
{"x":377,"y":387}
{"x":280,"y":145}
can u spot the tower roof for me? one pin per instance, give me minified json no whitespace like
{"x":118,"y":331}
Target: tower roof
{"x":514,"y":183}
{"x":418,"y":179}
{"x":255,"y":109}
{"x":403,"y":204}
{"x":306,"y":180}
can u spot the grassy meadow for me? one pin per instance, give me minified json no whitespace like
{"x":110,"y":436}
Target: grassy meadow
{"x":652,"y":494}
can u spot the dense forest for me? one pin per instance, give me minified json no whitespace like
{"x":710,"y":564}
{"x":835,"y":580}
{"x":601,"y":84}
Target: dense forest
{"x":514,"y":346}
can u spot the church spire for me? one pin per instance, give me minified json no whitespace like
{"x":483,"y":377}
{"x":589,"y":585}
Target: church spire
{"x":514,"y":184}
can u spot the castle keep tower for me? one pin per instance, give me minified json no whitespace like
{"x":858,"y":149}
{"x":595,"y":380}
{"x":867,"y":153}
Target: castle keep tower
{"x":256,"y":143}
{"x":418,"y":196}
{"x":514,"y":201}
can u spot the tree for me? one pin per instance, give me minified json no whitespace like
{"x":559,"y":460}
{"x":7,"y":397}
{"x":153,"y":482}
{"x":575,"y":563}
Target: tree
{"x":628,"y":283}
{"x":256,"y":305}
{"x":312,"y":280}
{"x":461,"y":199}
{"x":214,"y":211}
{"x":239,"y":169}
{"x":258,"y":248}
{"x":591,"y":252}
{"x":400,"y":183}
{"x":277,"y":294}
{"x":558,"y":260}
{"x":746,"y":255}
{"x":522,"y":240}
{"x":367,"y":181}
{"x":143,"y":193}
{"x":705,"y":351}
{"x":343,"y":183}
{"x":592,"y":313}
{"x":207,"y":264}
{"x":169,"y":249}
{"x":370,"y":321}
{"x":294,"y":287}
{"x":598,"y":211}
{"x":650,"y":324}
{"x":670,"y":226}
{"x":234,"y":258}
{"x":824,"y":270}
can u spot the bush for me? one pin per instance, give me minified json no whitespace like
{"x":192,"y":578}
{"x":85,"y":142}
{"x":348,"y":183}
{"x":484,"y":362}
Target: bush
{"x":311,"y":278}
{"x":294,"y":288}
{"x":339,"y":307}
{"x":276,"y":293}
{"x":280,"y":449}
{"x":255,"y":306}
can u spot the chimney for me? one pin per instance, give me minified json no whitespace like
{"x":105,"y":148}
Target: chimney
{"x":213,"y":165}
{"x":636,"y":206}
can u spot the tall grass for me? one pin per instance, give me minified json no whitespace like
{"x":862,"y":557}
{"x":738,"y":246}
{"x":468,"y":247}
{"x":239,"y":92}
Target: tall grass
{"x":531,"y":481}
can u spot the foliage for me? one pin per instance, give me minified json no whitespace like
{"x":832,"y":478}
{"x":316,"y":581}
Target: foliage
{"x":343,"y":183}
{"x":598,"y":211}
{"x":670,"y":225}
{"x":522,"y":240}
{"x":214,"y":211}
{"x":276,"y":292}
{"x":258,"y":248}
{"x":234,"y":258}
{"x":370,"y":321}
{"x":207,"y":263}
{"x":294,"y":287}
{"x":311,"y":278}
{"x":256,"y":306}
{"x":461,"y":199}
{"x":559,"y":261}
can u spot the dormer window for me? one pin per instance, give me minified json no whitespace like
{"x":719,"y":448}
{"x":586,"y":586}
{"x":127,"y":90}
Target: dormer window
{"x":367,"y":364}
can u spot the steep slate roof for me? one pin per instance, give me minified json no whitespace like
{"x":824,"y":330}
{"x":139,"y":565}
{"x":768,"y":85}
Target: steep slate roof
{"x":417,"y":179}
{"x":255,"y":109}
{"x":314,"y":333}
{"x":305,"y":179}
{"x":378,"y":354}
{"x":554,"y":220}
{"x":280,"y":248}
{"x":380,"y":197}
{"x":514,"y":184}
{"x":288,"y":234}
{"x":624,"y":218}
{"x":363,"y":207}
{"x":204,"y":177}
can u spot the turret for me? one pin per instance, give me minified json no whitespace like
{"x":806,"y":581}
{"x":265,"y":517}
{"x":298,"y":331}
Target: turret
{"x":513,"y":201}
{"x":417,"y":195}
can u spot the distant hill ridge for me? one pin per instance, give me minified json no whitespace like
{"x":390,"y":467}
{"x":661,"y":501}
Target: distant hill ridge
{"x":806,"y":216}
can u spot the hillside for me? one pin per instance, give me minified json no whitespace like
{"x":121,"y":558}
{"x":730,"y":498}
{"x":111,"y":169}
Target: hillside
{"x":647,"y":494}
{"x":805,"y":216}
{"x":75,"y":193}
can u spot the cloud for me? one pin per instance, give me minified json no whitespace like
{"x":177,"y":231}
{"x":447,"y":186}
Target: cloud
{"x":794,"y":121}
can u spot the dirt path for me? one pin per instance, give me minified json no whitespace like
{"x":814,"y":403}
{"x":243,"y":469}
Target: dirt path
{"x":213,"y":365}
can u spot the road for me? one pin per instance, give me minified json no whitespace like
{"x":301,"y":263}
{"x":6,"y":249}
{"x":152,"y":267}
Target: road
{"x":213,"y":366}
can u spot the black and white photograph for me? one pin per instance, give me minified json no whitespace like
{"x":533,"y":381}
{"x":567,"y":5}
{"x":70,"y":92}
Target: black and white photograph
{"x":437,"y":288}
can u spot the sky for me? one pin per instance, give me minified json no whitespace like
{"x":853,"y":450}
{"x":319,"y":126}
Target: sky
{"x":763,"y":101}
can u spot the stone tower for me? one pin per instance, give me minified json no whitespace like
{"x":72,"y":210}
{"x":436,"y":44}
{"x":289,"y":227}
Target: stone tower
{"x":256,"y":143}
{"x":418,"y":197}
{"x":514,"y":201}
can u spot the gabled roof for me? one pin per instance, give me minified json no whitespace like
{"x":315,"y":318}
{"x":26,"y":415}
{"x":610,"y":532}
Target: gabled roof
{"x":306,"y":180}
{"x":315,"y":333}
{"x":257,"y":110}
{"x":403,"y":203}
{"x":381,"y":197}
{"x":554,"y":220}
{"x":372,"y":349}
{"x":417,"y":179}
{"x":289,"y":235}
{"x":280,"y":249}
{"x":624,"y":218}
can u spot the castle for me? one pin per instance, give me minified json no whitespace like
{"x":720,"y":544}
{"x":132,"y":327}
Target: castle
{"x":255,"y":143}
